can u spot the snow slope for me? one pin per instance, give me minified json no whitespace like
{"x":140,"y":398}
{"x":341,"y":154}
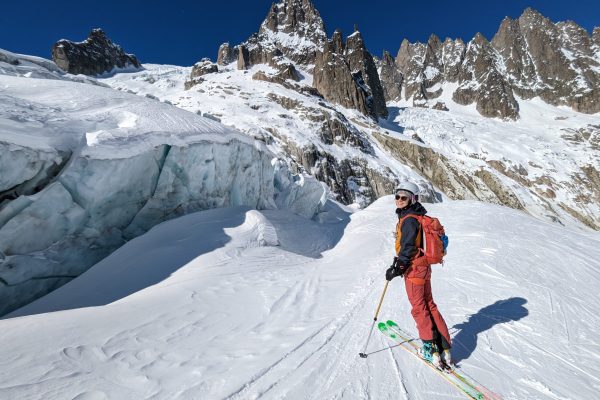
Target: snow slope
{"x":241,"y":304}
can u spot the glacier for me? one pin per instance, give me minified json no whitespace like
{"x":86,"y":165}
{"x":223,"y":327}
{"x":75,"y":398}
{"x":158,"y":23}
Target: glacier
{"x":85,"y":168}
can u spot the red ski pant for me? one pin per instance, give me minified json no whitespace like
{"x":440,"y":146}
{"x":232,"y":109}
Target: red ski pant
{"x":424,"y":310}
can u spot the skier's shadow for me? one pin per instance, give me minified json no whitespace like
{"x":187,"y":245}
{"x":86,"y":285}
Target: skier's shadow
{"x":465,"y":342}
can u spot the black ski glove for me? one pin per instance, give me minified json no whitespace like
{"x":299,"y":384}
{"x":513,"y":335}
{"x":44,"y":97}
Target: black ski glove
{"x":394,"y":271}
{"x":391,"y":273}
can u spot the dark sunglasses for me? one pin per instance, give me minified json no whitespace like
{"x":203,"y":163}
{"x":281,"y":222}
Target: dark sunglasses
{"x":403,"y":198}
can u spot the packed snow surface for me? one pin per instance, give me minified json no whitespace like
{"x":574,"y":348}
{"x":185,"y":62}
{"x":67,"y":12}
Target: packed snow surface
{"x":234,"y":303}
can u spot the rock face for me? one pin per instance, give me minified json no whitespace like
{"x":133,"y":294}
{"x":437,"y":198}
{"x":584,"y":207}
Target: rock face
{"x":448,"y":177}
{"x":201,"y":68}
{"x":95,"y":55}
{"x":391,"y":78}
{"x":530,"y":56}
{"x":227,"y":54}
{"x":334,"y":80}
{"x":243,"y":60}
{"x":363,"y":69}
{"x":423,"y":69}
{"x":557,"y":62}
{"x":512,"y":47}
{"x":351,"y":179}
{"x":285,"y":72}
{"x":295,"y":28}
{"x":484,"y":83}
{"x":347,"y":75}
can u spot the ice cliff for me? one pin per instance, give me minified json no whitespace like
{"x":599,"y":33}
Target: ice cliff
{"x":84,"y":168}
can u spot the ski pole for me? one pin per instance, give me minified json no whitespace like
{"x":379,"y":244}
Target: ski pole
{"x":364,"y":353}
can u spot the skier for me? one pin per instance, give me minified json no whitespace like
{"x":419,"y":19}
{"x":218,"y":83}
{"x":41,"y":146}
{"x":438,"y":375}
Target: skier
{"x":410,"y":263}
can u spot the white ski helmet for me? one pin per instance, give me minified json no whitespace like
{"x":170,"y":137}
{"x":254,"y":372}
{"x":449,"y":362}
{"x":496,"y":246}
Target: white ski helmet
{"x":407,"y":187}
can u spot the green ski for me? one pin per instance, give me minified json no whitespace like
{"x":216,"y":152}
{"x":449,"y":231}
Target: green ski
{"x":470,"y":388}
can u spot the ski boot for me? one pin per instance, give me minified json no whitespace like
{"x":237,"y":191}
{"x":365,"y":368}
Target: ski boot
{"x":447,"y":357}
{"x":429,"y":353}
{"x":444,"y":347}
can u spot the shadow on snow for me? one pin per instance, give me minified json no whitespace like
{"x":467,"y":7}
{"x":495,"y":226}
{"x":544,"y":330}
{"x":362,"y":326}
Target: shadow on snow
{"x":153,"y":257}
{"x":389,"y":122}
{"x":465,"y":342}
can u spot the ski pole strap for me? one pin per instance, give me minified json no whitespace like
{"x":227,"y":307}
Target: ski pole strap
{"x":381,"y":300}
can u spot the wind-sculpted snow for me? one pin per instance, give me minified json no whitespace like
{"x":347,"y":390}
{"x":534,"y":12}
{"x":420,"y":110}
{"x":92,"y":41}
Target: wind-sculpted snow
{"x":85,"y":168}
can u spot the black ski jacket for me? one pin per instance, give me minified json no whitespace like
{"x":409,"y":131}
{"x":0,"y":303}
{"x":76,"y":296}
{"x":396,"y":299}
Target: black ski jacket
{"x":410,"y":230}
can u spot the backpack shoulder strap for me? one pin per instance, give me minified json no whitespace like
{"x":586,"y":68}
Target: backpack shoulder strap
{"x":419,"y":219}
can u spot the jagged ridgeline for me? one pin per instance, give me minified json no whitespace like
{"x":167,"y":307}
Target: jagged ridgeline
{"x":527,"y":57}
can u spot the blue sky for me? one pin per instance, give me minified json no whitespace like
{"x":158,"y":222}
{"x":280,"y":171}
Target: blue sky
{"x":181,"y":32}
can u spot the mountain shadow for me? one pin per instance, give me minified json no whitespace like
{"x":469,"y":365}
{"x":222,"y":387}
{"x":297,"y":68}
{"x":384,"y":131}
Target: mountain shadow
{"x":465,"y":342}
{"x":389,"y":122}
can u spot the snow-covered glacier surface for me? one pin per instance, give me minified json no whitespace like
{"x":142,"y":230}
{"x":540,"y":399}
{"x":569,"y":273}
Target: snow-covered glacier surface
{"x":239,"y":304}
{"x":84,"y":168}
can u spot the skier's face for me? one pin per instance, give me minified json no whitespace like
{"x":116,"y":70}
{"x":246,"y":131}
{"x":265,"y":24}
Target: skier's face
{"x":402,"y":199}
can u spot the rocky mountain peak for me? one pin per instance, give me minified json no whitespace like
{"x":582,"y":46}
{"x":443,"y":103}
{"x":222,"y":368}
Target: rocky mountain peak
{"x":95,"y":55}
{"x":511,"y":45}
{"x":508,"y":30}
{"x":565,"y":75}
{"x":363,"y":68}
{"x":295,"y":17}
{"x":453,"y":52}
{"x":333,"y":77}
{"x":338,"y":42}
{"x":347,"y":75}
{"x":481,"y":81}
{"x":480,"y":40}
{"x":292,"y":29}
{"x":433,"y":55}
{"x":98,"y":35}
{"x":355,"y":41}
{"x":404,"y":56}
{"x":531,"y":17}
{"x":434,"y":43}
{"x":391,"y":77}
{"x":575,"y":38}
{"x":226,"y":54}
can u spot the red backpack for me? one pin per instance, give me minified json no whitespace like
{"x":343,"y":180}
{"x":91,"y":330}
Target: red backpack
{"x":435,"y":240}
